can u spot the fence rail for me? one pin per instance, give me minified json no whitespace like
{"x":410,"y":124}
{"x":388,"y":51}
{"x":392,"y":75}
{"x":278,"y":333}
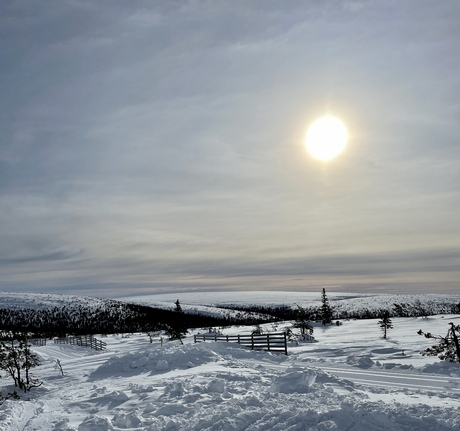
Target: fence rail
{"x":273,"y":342}
{"x":82,"y":340}
{"x":37,"y":341}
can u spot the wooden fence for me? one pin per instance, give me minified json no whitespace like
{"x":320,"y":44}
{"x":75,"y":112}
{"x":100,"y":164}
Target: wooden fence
{"x":273,"y":342}
{"x":37,"y":341}
{"x":82,"y":340}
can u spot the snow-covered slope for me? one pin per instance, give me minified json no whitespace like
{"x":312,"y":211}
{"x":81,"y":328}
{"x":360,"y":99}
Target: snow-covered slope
{"x":209,"y":302}
{"x":349,"y":379}
{"x":348,"y":302}
{"x":47,"y":301}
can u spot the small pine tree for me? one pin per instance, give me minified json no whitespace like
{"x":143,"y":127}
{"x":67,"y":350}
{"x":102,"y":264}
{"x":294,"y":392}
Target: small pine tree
{"x":385,"y":323}
{"x":177,"y":330}
{"x":448,"y":348}
{"x":326,"y":309}
{"x":302,"y":322}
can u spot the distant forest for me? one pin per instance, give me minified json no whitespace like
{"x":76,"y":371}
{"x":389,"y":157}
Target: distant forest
{"x":112,"y":318}
{"x":313,"y":313}
{"x":119,"y":317}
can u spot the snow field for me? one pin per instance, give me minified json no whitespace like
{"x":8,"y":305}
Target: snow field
{"x":350,"y":379}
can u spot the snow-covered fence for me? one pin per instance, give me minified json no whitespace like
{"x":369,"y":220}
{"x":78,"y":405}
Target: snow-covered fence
{"x":37,"y":341}
{"x":82,"y":340}
{"x":273,"y":341}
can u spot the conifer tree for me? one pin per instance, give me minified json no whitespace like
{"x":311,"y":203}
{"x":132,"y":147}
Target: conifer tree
{"x":385,"y":323}
{"x":326,"y":309}
{"x":448,"y":348}
{"x":177,"y":329}
{"x":302,"y":322}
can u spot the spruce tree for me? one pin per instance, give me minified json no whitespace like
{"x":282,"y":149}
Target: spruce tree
{"x":326,"y":309}
{"x":177,"y":329}
{"x":302,"y":322}
{"x":448,"y":348}
{"x":385,"y":323}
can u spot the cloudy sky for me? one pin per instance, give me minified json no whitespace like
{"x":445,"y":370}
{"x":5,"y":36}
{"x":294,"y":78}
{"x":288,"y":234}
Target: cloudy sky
{"x":158,"y":146}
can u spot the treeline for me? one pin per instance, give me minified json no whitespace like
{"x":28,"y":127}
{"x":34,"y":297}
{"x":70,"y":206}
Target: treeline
{"x":111,"y":318}
{"x":415,"y":309}
{"x":315,"y":313}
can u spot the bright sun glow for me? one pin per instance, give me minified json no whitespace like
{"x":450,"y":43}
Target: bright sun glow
{"x":326,"y":138}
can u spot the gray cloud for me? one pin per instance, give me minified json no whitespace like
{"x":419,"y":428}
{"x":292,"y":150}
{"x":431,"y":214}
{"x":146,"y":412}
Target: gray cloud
{"x":54,"y":256}
{"x":159,"y":145}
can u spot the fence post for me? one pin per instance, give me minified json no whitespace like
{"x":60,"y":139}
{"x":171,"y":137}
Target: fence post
{"x":285,"y":344}
{"x":268,"y":342}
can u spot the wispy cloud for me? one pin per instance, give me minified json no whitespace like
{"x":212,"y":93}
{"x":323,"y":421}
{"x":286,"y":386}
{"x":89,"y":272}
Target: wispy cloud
{"x":160,"y":145}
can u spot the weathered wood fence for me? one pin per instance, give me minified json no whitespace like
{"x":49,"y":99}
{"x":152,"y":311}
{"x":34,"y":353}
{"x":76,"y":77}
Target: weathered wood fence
{"x":82,"y":340}
{"x":273,"y":342}
{"x":37,"y":341}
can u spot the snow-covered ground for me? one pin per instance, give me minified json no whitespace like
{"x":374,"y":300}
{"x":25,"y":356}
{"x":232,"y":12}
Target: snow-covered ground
{"x":349,"y":379}
{"x":341,"y":301}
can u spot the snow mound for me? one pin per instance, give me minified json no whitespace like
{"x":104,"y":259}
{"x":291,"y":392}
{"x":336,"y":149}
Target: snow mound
{"x":361,"y":361}
{"x":95,"y":423}
{"x":158,"y":360}
{"x":127,"y":420}
{"x":295,"y":381}
{"x":118,"y":396}
{"x":443,"y":367}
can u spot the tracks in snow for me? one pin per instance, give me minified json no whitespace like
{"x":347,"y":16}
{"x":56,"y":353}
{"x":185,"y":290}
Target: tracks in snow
{"x":384,"y":379}
{"x":397,"y":380}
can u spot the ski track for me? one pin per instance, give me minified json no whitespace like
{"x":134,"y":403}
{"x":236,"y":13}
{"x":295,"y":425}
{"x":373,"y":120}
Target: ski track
{"x":384,"y":378}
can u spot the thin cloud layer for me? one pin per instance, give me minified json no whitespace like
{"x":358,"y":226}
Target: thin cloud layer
{"x":159,"y":146}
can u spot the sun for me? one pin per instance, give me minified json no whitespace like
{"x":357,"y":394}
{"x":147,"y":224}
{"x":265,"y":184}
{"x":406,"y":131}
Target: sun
{"x":326,"y":138}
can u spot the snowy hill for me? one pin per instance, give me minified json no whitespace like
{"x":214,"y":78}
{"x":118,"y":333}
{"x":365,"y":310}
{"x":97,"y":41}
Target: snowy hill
{"x":41,"y":301}
{"x":211,"y":303}
{"x":350,"y":379}
{"x":53,"y":315}
{"x":343,"y":303}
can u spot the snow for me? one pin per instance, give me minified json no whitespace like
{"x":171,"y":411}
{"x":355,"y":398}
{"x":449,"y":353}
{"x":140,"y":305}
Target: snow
{"x":45,"y":300}
{"x":349,"y":379}
{"x":348,"y":301}
{"x":208,"y":302}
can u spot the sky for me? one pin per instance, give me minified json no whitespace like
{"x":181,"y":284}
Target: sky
{"x":152,"y":146}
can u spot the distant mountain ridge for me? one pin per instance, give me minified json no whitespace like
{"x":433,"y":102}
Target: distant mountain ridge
{"x":344,"y":304}
{"x":58,"y":314}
